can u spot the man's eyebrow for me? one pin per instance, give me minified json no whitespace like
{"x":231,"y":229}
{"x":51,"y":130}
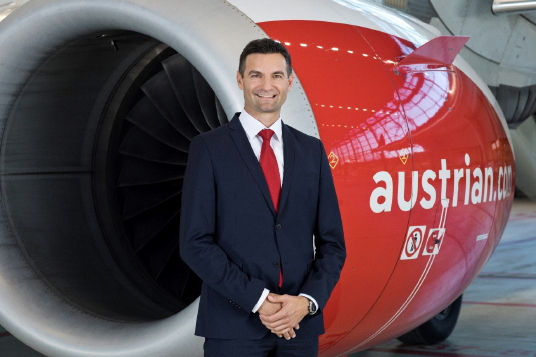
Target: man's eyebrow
{"x":253,"y":71}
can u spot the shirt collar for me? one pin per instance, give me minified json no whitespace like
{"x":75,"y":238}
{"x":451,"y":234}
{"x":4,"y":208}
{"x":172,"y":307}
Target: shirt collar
{"x":252,"y":126}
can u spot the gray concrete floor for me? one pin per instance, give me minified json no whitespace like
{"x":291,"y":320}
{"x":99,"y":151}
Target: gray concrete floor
{"x":11,"y":347}
{"x":498,"y":317}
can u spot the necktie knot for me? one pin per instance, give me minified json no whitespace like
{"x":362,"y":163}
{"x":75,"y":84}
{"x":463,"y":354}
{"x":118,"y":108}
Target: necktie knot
{"x":266,"y":134}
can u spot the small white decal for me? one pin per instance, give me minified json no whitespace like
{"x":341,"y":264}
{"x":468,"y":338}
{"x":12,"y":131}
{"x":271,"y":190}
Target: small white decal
{"x":433,"y":243}
{"x":413,"y":243}
{"x":482,"y":237}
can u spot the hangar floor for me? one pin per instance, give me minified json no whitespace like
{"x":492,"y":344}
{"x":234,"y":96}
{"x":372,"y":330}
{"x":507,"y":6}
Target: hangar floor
{"x":498,"y":316}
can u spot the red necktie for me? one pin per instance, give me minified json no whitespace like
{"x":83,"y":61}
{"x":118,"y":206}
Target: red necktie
{"x":269,"y":167}
{"x":271,"y":174}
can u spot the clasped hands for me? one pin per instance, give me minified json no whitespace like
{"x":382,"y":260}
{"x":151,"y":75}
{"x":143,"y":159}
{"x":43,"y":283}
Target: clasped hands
{"x":281,"y":314}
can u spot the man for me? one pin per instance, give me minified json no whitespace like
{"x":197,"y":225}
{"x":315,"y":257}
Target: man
{"x":255,"y":193}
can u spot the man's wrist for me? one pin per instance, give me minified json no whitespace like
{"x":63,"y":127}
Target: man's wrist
{"x":305,"y":305}
{"x":259,"y":303}
{"x":313,"y":305}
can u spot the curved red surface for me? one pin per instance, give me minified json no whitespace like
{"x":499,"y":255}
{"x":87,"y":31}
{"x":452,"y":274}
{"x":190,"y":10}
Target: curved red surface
{"x":384,"y":127}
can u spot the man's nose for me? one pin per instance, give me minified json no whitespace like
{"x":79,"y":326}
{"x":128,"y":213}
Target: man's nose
{"x":267,"y":84}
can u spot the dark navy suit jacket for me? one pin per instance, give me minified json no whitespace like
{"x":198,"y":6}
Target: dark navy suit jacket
{"x":233,"y":239}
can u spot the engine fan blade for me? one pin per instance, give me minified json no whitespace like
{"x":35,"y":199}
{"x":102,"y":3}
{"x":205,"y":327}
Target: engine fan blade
{"x":161,"y":93}
{"x":146,"y":226}
{"x":137,"y":143}
{"x":206,"y":98}
{"x":222,"y":117}
{"x":179,"y":72}
{"x":139,"y":199}
{"x":136,"y":172}
{"x":147,"y":117}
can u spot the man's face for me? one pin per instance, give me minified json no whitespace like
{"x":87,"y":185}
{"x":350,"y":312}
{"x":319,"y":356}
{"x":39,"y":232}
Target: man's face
{"x":265,"y":83}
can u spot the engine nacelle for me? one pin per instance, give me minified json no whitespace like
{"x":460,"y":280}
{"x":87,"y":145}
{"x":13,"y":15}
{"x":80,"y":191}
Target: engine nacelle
{"x":100,"y":100}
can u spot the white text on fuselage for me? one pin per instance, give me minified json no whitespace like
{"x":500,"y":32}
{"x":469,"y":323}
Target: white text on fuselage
{"x":469,"y":186}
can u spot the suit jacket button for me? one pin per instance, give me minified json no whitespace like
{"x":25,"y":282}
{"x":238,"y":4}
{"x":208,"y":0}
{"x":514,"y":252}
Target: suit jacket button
{"x":278,"y":227}
{"x":277,"y":264}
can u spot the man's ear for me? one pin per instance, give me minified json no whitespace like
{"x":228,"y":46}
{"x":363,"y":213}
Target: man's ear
{"x":290,"y":81}
{"x":239,"y":80}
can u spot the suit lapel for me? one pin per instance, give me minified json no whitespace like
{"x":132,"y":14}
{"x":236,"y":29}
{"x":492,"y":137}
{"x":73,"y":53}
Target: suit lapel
{"x":244,"y":147}
{"x":289,"y":150}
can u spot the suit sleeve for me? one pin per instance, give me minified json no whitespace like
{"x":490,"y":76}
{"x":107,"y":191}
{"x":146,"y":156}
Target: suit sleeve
{"x":198,"y":230}
{"x":329,"y":240}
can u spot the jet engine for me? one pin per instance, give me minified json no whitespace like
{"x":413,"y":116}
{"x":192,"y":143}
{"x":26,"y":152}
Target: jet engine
{"x":100,"y":99}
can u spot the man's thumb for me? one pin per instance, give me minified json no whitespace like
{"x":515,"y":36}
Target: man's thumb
{"x":273,"y":298}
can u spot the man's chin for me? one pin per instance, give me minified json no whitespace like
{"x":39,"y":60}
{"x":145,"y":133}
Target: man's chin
{"x":268,"y":109}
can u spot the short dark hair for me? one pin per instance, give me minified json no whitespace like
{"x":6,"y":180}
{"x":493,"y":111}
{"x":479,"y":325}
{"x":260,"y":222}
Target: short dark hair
{"x":264,"y":46}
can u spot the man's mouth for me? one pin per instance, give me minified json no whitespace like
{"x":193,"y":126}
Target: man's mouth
{"x":265,"y":96}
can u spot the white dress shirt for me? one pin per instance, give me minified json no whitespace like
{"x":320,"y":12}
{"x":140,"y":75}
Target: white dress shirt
{"x":252,"y":127}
